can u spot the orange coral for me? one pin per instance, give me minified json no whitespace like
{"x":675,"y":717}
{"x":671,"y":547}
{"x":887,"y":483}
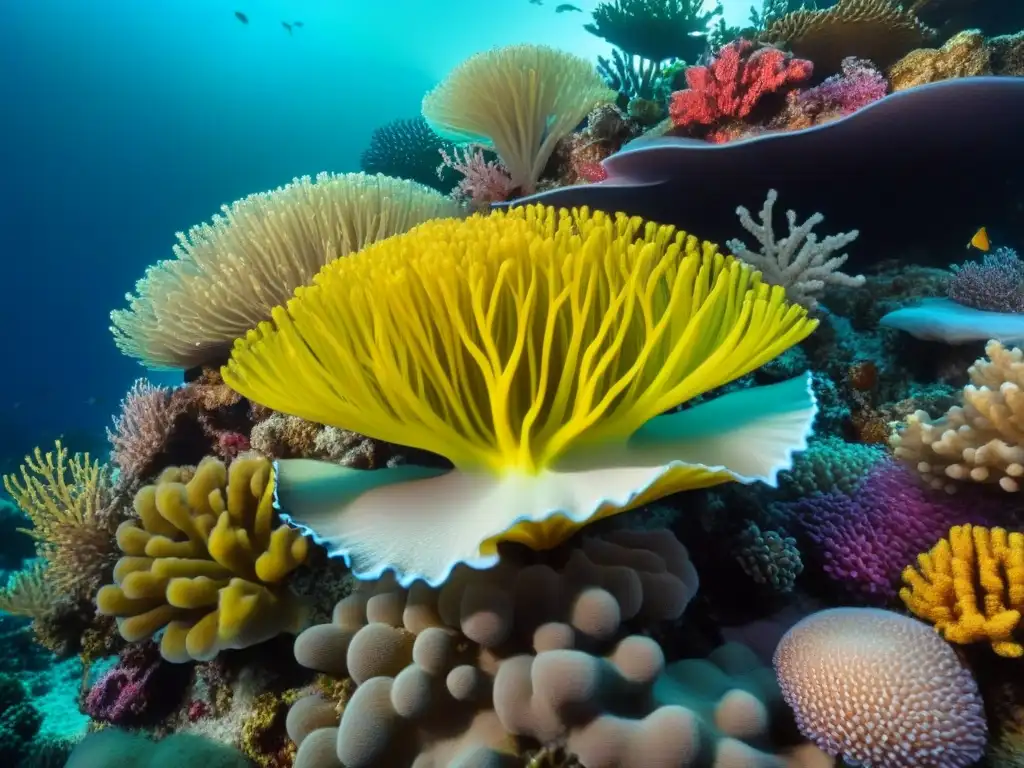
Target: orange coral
{"x":879,"y":30}
{"x":964,"y":55}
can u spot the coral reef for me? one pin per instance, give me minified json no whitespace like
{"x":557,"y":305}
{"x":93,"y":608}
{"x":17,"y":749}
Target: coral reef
{"x":996,"y":284}
{"x":19,"y":720}
{"x":964,"y":55}
{"x":656,"y":30}
{"x":409,"y":149}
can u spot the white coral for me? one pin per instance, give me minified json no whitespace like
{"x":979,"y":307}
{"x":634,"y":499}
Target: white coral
{"x":799,"y":262}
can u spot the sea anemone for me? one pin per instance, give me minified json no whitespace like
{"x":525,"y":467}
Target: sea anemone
{"x":539,"y":350}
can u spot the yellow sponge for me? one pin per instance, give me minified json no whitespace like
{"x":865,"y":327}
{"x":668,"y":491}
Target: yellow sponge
{"x":204,"y":562}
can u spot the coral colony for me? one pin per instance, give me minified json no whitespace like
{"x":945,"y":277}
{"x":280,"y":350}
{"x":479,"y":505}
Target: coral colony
{"x":478,"y":463}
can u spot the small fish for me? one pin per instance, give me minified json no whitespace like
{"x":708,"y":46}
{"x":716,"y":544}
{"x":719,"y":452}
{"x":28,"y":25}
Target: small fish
{"x":536,"y":2}
{"x":241,"y":17}
{"x":287,"y":26}
{"x":567,"y":7}
{"x":980,"y":240}
{"x":297,"y":24}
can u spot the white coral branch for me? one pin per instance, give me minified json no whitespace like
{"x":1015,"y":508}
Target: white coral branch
{"x":799,"y":262}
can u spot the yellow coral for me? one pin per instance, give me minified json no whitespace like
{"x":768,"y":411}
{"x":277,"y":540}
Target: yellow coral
{"x":536,"y":349}
{"x":68,"y":499}
{"x":964,"y":55}
{"x":28,"y":592}
{"x":944,"y":589}
{"x":205,"y":561}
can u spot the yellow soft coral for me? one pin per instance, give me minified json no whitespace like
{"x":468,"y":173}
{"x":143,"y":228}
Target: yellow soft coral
{"x":944,"y":589}
{"x":536,"y":349}
{"x":204,"y":560}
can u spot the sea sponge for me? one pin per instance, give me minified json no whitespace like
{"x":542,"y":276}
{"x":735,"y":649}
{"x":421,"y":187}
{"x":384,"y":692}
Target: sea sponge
{"x":537,"y":351}
{"x":204,"y":562}
{"x":520,"y":101}
{"x":963,"y":55}
{"x":979,"y":441}
{"x":226,"y":275}
{"x":881,"y":689}
{"x":944,"y":588}
{"x":880,"y":31}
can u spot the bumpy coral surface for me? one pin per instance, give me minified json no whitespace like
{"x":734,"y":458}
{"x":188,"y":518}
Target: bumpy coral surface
{"x":963,"y":55}
{"x":205,"y":562}
{"x":881,"y":689}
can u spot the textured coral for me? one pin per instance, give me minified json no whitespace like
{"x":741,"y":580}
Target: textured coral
{"x":996,"y":284}
{"x":829,"y":465}
{"x":654,"y":29}
{"x":1007,"y":54}
{"x":971,"y":587}
{"x":139,"y":686}
{"x":142,"y":430}
{"x":881,"y":689}
{"x":205,"y":562}
{"x":978,"y":441}
{"x":768,"y":557}
{"x":408,"y":149}
{"x":19,"y":721}
{"x":482,"y":180}
{"x":964,"y":55}
{"x":732,"y":84}
{"x":280,"y":436}
{"x":856,"y":86}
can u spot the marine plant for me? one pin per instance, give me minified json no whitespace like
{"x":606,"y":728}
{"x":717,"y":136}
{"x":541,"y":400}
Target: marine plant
{"x":539,"y":350}
{"x":656,"y":30}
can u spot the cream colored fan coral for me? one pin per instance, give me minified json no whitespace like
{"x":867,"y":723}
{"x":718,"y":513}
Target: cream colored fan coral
{"x":981,"y":441}
{"x":520,"y":100}
{"x":226,"y":275}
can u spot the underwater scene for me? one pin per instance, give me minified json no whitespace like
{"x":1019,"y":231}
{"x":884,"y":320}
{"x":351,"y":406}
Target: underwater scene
{"x":591,"y":384}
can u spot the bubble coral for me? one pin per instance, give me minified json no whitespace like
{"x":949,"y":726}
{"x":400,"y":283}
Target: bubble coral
{"x":204,"y":562}
{"x":227,"y":274}
{"x":877,"y":688}
{"x":971,"y":587}
{"x":537,"y":351}
{"x":963,"y":55}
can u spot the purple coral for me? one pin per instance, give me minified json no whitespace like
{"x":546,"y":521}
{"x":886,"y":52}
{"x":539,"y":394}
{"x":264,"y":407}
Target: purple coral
{"x":142,"y":429}
{"x":123,"y":693}
{"x":996,"y":284}
{"x":864,"y":539}
{"x":855,"y":87}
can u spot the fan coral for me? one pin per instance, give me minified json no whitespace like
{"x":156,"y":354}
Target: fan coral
{"x":142,"y":430}
{"x":964,"y":55}
{"x":881,"y":689}
{"x":228,"y":274}
{"x":409,"y":149}
{"x":520,"y":101}
{"x":655,"y":30}
{"x":733,"y":83}
{"x":536,"y":350}
{"x":799,"y":262}
{"x":978,"y":441}
{"x":204,"y":561}
{"x":944,"y":592}
{"x":880,"y":31}
{"x":482,"y":181}
{"x":994,"y":285}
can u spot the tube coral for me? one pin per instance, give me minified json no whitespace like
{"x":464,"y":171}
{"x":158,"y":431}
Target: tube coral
{"x":536,"y":349}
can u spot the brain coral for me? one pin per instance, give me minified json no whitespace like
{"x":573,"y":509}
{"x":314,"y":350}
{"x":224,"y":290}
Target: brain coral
{"x":881,"y":689}
{"x":536,"y":349}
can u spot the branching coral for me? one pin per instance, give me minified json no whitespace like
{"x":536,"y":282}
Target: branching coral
{"x":856,"y":86}
{"x":409,"y":149}
{"x":656,"y":30}
{"x":204,"y":562}
{"x":520,"y":101}
{"x":799,"y":262}
{"x":979,"y":441}
{"x":971,"y":587}
{"x":142,"y":430}
{"x":536,"y":349}
{"x":482,"y":181}
{"x":228,"y":274}
{"x":994,"y":285}
{"x":964,"y":55}
{"x":881,"y":689}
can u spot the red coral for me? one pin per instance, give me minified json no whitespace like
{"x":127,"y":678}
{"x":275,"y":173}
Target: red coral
{"x":731,"y":85}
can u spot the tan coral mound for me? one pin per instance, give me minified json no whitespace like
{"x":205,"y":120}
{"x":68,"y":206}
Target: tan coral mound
{"x":881,"y":31}
{"x":981,"y":441}
{"x":964,"y":55}
{"x":496,"y":663}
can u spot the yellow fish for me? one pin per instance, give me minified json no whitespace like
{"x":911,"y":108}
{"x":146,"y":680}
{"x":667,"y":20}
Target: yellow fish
{"x":980,"y":240}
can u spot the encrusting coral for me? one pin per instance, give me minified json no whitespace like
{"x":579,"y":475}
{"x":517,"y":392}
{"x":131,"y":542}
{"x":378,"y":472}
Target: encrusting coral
{"x":538,"y":350}
{"x":979,"y":441}
{"x":971,"y":587}
{"x":205,"y":563}
{"x":964,"y":55}
{"x":227,"y":274}
{"x":520,"y":101}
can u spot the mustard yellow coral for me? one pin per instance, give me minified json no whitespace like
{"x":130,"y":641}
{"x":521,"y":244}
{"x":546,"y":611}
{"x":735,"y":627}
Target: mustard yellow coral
{"x":205,"y":560}
{"x":971,"y":587}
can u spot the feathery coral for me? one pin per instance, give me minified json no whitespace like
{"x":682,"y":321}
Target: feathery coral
{"x":520,"y":100}
{"x":535,"y":349}
{"x":27,"y":593}
{"x":204,"y":560}
{"x":228,"y":274}
{"x":142,"y":430}
{"x":944,"y":588}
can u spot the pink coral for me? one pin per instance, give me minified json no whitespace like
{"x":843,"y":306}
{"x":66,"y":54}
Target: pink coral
{"x":142,"y":430}
{"x":483,"y":182}
{"x":733,"y":83}
{"x":859,"y":84}
{"x":123,"y":693}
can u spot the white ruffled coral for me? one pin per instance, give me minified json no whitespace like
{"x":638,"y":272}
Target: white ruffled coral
{"x":981,"y":441}
{"x":799,"y":262}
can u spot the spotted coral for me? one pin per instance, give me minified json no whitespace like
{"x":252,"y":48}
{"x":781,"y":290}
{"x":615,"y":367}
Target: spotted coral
{"x":204,"y":562}
{"x":227,"y":274}
{"x":881,"y":689}
{"x":536,"y":349}
{"x":971,"y":587}
{"x":520,"y":101}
